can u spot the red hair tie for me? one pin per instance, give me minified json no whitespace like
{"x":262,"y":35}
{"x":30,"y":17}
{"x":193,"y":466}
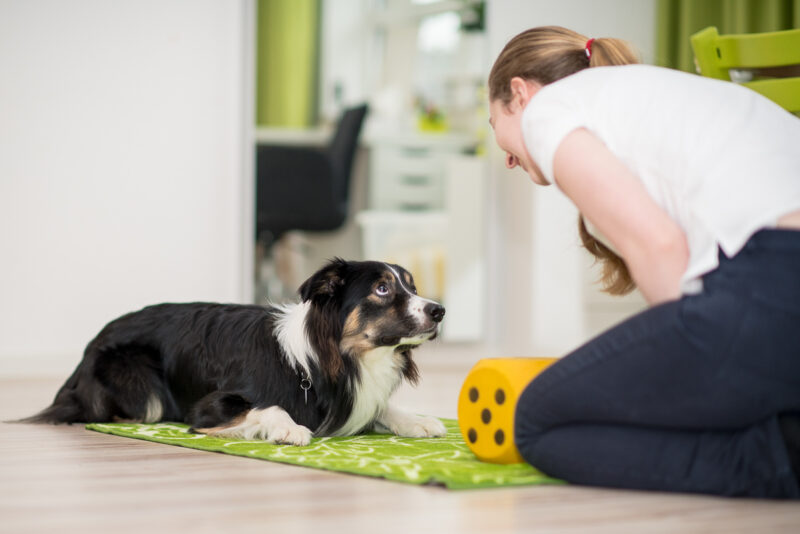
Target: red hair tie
{"x":588,"y":48}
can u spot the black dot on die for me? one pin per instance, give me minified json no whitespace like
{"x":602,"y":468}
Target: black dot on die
{"x":473,"y":395}
{"x":499,"y":437}
{"x":500,"y":396}
{"x":472,"y":435}
{"x":486,"y":416}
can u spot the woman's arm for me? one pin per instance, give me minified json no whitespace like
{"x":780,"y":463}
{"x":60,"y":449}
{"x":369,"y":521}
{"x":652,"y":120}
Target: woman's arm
{"x":610,"y":196}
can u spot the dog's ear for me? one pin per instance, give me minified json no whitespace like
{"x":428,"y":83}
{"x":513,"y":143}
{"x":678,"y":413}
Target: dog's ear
{"x":325,"y":283}
{"x":324,"y":331}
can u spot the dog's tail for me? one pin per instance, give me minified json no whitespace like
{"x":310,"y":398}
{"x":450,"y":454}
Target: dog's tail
{"x":66,"y":408}
{"x":56,"y":413}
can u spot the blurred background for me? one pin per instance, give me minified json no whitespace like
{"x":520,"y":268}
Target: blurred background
{"x":184,"y":150}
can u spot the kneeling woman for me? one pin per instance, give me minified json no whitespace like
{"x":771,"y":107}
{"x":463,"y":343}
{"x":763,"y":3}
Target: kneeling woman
{"x":689,"y":189}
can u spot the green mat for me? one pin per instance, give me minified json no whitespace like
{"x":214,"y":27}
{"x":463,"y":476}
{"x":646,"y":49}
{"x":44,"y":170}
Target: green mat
{"x":443,"y":461}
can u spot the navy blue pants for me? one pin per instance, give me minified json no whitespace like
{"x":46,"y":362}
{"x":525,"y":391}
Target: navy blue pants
{"x":685,"y":395}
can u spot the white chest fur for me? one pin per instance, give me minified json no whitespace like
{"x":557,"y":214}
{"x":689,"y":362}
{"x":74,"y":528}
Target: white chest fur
{"x":381,"y":373}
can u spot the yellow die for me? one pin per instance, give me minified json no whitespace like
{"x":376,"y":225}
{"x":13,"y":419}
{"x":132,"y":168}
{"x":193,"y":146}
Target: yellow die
{"x":487,"y":403}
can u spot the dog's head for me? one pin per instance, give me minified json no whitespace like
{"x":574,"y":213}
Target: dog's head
{"x":364,"y":305}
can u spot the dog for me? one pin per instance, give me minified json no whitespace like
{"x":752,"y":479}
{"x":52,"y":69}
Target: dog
{"x":323,"y":366}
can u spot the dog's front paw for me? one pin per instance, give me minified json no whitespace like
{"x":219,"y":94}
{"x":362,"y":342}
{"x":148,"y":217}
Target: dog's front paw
{"x":273,"y":425}
{"x":413,"y":426}
{"x":429,"y":426}
{"x":297,"y":435}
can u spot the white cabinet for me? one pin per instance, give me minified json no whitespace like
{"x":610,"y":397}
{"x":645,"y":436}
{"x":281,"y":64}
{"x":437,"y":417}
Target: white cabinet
{"x":407,"y":172}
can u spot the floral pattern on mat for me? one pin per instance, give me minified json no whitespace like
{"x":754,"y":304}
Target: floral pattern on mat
{"x":446,"y":461}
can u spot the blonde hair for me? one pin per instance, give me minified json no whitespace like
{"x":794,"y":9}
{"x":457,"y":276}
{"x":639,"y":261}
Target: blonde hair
{"x":547,"y":54}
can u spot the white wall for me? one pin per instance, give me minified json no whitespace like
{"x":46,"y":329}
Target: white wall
{"x":537,"y":269}
{"x":122,"y":166}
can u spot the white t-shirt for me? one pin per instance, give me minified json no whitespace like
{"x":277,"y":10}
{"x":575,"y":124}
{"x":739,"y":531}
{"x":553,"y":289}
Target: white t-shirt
{"x":721,"y":160}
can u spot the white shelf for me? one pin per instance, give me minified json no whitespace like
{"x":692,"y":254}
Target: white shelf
{"x":293,"y":136}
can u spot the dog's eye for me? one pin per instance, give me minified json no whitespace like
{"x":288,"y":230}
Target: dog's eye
{"x":382,"y":290}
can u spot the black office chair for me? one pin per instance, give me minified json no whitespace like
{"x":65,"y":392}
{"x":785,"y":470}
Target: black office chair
{"x":305,"y":188}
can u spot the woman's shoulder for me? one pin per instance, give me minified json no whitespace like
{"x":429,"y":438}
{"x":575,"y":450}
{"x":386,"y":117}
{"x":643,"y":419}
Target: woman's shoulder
{"x":636,"y":73}
{"x":607,"y":84}
{"x":639,"y":84}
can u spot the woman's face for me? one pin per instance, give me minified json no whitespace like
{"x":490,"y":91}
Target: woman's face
{"x":506,"y":120}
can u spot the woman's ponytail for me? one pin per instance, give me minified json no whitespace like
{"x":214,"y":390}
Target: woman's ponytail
{"x":607,"y":51}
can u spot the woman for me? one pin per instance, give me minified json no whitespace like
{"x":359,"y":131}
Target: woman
{"x":691,"y":188}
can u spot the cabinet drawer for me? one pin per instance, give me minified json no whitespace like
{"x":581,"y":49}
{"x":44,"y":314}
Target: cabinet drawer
{"x":417,"y":161}
{"x":407,"y":192}
{"x":407,"y":177}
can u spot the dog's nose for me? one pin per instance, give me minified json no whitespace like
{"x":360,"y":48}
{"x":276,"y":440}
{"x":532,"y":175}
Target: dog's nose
{"x":436,"y":311}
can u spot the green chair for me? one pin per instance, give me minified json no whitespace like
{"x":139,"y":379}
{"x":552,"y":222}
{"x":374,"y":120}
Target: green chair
{"x":764,"y":54}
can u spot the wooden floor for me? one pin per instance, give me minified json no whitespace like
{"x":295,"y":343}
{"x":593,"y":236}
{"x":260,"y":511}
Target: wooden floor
{"x":67,"y":479}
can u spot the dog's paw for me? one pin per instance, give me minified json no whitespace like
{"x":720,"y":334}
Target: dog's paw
{"x":413,"y":426}
{"x":272,"y":425}
{"x":295,"y":434}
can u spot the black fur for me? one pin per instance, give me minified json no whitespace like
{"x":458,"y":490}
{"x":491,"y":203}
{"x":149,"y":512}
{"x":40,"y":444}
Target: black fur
{"x":208,"y":364}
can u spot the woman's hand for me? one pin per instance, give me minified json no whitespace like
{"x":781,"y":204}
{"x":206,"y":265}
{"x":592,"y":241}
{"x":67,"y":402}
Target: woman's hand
{"x":613,"y":199}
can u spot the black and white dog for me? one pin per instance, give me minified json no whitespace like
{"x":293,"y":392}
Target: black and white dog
{"x":325,"y":366}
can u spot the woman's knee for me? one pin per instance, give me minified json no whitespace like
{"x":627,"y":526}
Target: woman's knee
{"x":531,"y":421}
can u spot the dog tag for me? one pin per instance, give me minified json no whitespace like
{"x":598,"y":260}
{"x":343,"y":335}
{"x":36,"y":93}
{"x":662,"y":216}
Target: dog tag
{"x":305,"y":385}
